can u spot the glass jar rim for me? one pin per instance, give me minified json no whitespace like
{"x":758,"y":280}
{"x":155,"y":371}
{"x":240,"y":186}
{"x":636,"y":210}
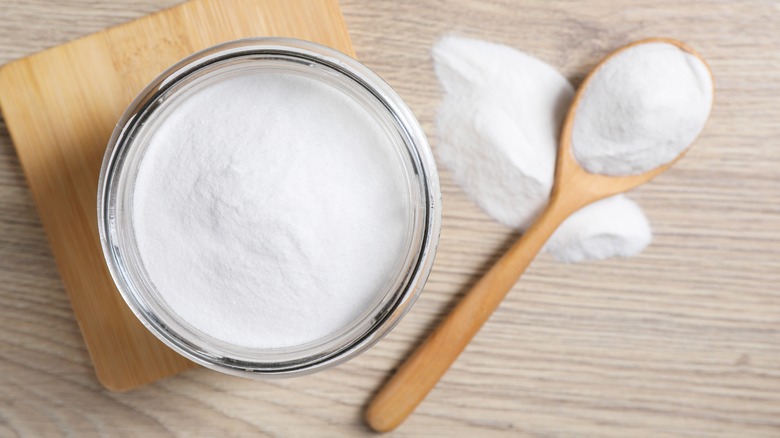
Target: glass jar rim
{"x":300,"y":51}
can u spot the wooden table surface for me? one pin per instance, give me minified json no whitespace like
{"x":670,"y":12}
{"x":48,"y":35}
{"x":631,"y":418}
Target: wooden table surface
{"x":683,"y":340}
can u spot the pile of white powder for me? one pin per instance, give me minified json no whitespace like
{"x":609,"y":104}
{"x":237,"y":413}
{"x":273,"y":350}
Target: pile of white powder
{"x":641,"y":109}
{"x":270,"y":210}
{"x":498,"y":128}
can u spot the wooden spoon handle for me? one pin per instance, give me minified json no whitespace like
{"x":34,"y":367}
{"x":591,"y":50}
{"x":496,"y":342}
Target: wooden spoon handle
{"x":418,"y":375}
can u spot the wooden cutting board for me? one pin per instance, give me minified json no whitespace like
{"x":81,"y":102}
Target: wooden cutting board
{"x":60,"y":106}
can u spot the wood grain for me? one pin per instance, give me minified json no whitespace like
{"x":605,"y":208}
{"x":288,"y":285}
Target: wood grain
{"x":683,"y":340}
{"x":61,"y":106}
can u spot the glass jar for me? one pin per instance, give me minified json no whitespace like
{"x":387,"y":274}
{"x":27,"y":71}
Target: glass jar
{"x":124,"y":154}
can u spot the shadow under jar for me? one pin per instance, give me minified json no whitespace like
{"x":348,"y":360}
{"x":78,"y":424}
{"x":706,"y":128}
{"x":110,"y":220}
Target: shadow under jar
{"x":269,"y":207}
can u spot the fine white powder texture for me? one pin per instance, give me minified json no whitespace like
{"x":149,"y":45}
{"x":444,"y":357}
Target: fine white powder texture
{"x":641,"y":109}
{"x":498,"y":128}
{"x":614,"y":226}
{"x":270,"y":210}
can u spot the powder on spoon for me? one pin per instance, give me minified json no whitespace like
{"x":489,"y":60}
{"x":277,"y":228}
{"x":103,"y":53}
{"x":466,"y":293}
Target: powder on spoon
{"x":642,"y":108}
{"x":270,"y":210}
{"x":498,"y":128}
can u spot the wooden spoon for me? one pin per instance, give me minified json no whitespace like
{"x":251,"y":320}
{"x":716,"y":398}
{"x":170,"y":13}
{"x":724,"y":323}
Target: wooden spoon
{"x":573,"y":189}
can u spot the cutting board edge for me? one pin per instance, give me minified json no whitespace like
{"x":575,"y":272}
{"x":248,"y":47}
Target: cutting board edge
{"x":134,"y":21}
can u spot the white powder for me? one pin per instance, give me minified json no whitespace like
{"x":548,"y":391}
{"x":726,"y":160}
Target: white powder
{"x":498,"y":129}
{"x":270,"y":210}
{"x":641,"y":110}
{"x":614,"y":226}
